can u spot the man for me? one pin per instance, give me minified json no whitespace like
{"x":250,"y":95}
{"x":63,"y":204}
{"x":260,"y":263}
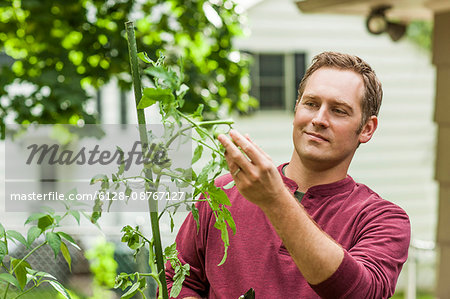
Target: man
{"x":305,"y":229}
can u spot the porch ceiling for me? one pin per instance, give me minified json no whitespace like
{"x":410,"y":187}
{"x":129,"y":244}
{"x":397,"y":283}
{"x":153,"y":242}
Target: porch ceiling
{"x":405,"y":10}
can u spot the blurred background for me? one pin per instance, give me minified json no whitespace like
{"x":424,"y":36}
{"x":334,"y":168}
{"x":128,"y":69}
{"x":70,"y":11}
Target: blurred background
{"x":67,"y":62}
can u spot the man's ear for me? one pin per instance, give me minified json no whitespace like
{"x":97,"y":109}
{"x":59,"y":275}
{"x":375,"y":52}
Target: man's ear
{"x":368,"y":129}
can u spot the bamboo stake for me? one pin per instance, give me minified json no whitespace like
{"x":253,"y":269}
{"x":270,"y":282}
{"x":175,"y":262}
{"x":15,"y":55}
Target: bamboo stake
{"x":153,"y":205}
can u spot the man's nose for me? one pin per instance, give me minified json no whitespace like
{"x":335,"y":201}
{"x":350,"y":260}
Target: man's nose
{"x":321,"y":118}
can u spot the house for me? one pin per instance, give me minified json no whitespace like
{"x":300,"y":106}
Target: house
{"x":398,"y":162}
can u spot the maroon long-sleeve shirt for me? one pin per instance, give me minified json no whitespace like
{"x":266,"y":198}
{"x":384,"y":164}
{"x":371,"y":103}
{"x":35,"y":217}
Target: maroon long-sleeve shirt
{"x":374,"y":233}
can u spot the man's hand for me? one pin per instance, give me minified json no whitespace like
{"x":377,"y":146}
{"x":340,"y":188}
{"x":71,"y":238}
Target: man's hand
{"x":258,"y":180}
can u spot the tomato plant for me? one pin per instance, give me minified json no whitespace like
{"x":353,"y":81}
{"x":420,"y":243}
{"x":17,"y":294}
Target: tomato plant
{"x":167,"y":92}
{"x":18,"y":272}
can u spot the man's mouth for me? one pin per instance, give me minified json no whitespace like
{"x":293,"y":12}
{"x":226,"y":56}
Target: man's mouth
{"x":316,"y":136}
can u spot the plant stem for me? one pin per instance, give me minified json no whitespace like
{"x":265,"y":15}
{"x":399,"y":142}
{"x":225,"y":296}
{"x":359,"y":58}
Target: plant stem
{"x":6,"y":290}
{"x":29,"y":253}
{"x":25,"y":291}
{"x":24,"y":258}
{"x":143,"y":136}
{"x":198,"y":127}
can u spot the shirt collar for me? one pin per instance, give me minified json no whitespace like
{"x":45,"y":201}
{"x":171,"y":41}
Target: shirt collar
{"x":344,"y":185}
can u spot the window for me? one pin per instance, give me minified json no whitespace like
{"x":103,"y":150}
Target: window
{"x":275,"y":79}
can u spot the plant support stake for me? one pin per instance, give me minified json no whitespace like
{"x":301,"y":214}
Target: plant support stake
{"x":153,"y":205}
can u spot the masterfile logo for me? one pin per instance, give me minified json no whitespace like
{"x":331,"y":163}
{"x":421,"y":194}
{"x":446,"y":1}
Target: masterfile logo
{"x":155,"y":154}
{"x":51,"y":163}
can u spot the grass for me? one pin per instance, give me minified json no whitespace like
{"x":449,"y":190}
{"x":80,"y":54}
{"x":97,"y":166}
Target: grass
{"x":420,"y":295}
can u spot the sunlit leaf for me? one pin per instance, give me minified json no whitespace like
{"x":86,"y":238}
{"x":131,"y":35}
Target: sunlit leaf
{"x":66,"y":255}
{"x":143,"y":56}
{"x":219,"y":196}
{"x":20,"y":271}
{"x":153,"y":95}
{"x":58,"y":287}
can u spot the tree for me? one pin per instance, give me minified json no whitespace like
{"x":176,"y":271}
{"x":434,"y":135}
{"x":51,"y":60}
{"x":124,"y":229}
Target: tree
{"x":59,"y":49}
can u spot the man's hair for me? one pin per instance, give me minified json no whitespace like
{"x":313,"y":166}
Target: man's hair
{"x":373,"y":92}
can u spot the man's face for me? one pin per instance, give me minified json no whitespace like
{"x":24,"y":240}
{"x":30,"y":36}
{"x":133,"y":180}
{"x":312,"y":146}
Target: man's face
{"x":328,"y":117}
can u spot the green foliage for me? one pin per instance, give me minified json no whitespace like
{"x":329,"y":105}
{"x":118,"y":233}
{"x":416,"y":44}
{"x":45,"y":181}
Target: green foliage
{"x":181,"y":270}
{"x":62,"y":47}
{"x":103,"y":267}
{"x":420,"y":32}
{"x":19,"y":274}
{"x":167,"y":92}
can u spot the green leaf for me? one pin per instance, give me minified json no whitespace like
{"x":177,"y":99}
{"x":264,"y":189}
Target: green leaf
{"x":66,"y":255}
{"x":160,"y":72}
{"x":100,"y":178}
{"x":197,"y":153}
{"x":218,"y":195}
{"x":2,"y":231}
{"x":224,"y":258}
{"x":10,"y":279}
{"x":32,"y":234}
{"x":20,"y":271}
{"x":229,"y":185}
{"x":57,"y":286}
{"x":182,"y":91}
{"x":131,"y":291}
{"x":128,"y":191}
{"x":229,"y":219}
{"x":89,"y":218}
{"x":172,"y":224}
{"x":69,"y":239}
{"x":144,"y":57}
{"x":76,"y":215}
{"x":221,"y":225}
{"x":195,"y":214}
{"x":170,"y":252}
{"x":200,"y":132}
{"x":178,"y":279}
{"x":49,"y":210}
{"x":54,"y":241}
{"x":3,"y":250}
{"x":35,"y":216}
{"x":40,"y":274}
{"x":199,"y":111}
{"x":45,"y":222}
{"x":16,"y":235}
{"x":153,"y":95}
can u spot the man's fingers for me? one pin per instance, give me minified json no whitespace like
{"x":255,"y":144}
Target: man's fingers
{"x":235,"y":158}
{"x":248,"y":147}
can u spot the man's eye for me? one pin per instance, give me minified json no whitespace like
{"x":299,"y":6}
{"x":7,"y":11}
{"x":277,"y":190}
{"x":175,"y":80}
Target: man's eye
{"x":340,"y":111}
{"x":310,"y":104}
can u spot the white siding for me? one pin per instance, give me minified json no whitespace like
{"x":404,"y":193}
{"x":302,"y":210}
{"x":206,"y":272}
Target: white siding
{"x":398,"y":162}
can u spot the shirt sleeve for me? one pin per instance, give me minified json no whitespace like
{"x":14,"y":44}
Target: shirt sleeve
{"x":371,"y":267}
{"x":191,"y":247}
